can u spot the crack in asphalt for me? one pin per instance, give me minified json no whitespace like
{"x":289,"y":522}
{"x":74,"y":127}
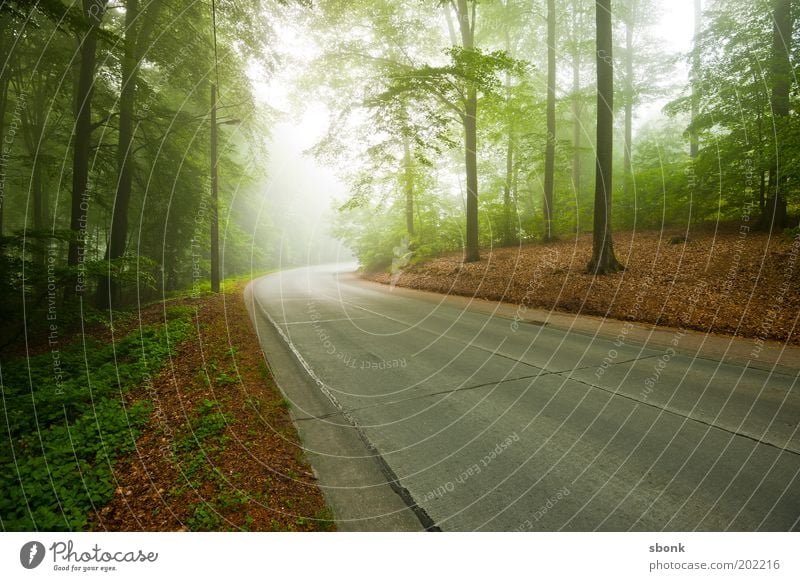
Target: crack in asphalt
{"x":681,"y":415}
{"x":542,"y":373}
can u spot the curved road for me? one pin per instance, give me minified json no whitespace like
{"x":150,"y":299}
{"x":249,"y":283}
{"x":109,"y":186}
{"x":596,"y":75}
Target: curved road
{"x":478,"y":422}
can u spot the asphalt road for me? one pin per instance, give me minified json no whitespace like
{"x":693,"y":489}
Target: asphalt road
{"x":478,"y":422}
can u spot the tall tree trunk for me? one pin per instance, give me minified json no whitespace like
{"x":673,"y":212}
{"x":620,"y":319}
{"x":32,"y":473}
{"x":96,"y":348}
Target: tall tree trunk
{"x":507,"y":236}
{"x":550,"y":148}
{"x":576,"y":117}
{"x":627,"y":174}
{"x":466,"y":18}
{"x":5,"y":42}
{"x":408,"y":183}
{"x":3,"y":157}
{"x":774,"y":216}
{"x":694,"y":145}
{"x":93,"y":11}
{"x":33,"y":126}
{"x":471,"y":163}
{"x":603,"y":260}
{"x":107,"y":290}
{"x":38,"y":196}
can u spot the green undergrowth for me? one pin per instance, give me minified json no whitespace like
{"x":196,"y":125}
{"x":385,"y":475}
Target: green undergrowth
{"x":67,"y":421}
{"x":196,"y":450}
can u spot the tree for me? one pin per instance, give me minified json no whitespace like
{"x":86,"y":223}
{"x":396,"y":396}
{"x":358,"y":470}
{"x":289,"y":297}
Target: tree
{"x":694,"y":144}
{"x":138,"y":29}
{"x":550,"y":148}
{"x":455,"y":88}
{"x":576,"y":50}
{"x":93,"y":11}
{"x":603,"y":260}
{"x":466,"y":13}
{"x":408,"y":183}
{"x":774,"y":215}
{"x":628,"y":96}
{"x":5,"y":78}
{"x":645,"y":66}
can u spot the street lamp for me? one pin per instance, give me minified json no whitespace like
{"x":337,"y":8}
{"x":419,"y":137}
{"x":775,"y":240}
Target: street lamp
{"x":215,"y":271}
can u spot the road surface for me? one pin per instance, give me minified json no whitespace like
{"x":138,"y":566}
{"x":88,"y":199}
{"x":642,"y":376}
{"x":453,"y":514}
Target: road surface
{"x":481,"y":422}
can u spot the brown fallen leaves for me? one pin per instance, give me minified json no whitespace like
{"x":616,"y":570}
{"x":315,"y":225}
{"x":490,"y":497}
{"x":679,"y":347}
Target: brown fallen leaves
{"x":728,"y":280}
{"x":251,"y":475}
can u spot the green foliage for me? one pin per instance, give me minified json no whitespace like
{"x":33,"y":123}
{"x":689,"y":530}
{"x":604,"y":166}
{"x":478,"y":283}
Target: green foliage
{"x":739,"y":134}
{"x":195,"y":451}
{"x":68,"y":421}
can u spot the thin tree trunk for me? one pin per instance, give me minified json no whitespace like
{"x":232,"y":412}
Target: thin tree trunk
{"x":408,"y":179}
{"x":694,"y":144}
{"x":471,"y":163}
{"x":507,"y":237}
{"x":3,"y":158}
{"x":550,"y":148}
{"x":33,"y":125}
{"x":4,"y":82}
{"x":627,"y":180}
{"x":107,"y":290}
{"x":466,"y":20}
{"x":603,"y":260}
{"x":507,"y":184}
{"x":775,"y":216}
{"x":93,"y":13}
{"x":576,"y":121}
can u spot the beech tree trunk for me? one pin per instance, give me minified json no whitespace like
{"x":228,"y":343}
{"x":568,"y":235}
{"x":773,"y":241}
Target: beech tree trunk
{"x":550,"y":149}
{"x":4,"y":81}
{"x":408,"y":183}
{"x":508,"y":238}
{"x":93,"y":13}
{"x":627,"y":174}
{"x":603,"y":260}
{"x":107,"y":290}
{"x":138,"y":29}
{"x":775,"y":216}
{"x":694,"y":145}
{"x":576,"y":121}
{"x":466,"y":20}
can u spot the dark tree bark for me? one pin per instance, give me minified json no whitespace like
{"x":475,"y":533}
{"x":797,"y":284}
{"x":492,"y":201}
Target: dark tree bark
{"x":550,"y":148}
{"x":5,"y":42}
{"x":136,"y":39}
{"x":603,"y":260}
{"x":774,"y":215}
{"x":33,"y":120}
{"x":93,"y":11}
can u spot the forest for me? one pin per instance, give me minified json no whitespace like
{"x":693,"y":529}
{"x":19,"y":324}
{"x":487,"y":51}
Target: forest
{"x":546,"y":95}
{"x":545,"y":139}
{"x":455,"y":126}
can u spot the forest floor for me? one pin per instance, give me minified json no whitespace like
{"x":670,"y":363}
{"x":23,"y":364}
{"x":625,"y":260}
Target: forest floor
{"x":727,"y":280}
{"x":219,"y":451}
